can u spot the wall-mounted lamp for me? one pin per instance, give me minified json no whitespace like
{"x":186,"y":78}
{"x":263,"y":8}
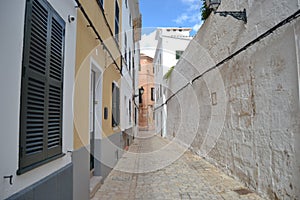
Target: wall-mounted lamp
{"x":141,"y":92}
{"x":214,"y":5}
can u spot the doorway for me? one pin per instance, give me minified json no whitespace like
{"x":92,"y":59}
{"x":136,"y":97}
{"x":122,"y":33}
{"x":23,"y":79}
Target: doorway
{"x":95,"y":126}
{"x":92,"y":120}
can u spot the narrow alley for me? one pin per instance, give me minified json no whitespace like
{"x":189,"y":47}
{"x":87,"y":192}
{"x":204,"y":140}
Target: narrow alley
{"x":141,"y":174}
{"x":149,"y":100}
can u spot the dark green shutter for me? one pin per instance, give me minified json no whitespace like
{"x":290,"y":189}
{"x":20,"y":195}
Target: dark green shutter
{"x":100,"y":3}
{"x":115,"y":105}
{"x":118,"y":105}
{"x":42,"y":84}
{"x":55,"y":98}
{"x":117,"y":17}
{"x":152,"y":94}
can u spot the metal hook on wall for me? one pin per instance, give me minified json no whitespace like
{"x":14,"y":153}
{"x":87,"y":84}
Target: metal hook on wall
{"x":10,"y":179}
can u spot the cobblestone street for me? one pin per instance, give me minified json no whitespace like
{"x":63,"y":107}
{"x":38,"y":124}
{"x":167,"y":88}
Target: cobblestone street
{"x":147,"y":171}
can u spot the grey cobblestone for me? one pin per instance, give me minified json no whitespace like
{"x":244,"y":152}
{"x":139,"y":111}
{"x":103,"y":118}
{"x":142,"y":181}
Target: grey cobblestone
{"x":188,"y":177}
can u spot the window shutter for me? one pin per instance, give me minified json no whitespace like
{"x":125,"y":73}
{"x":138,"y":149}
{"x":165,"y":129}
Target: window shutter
{"x":55,"y":95}
{"x":129,"y":107}
{"x":115,"y":105}
{"x":42,"y":78}
{"x":152,"y":94}
{"x":118,"y":105}
{"x":100,"y":2}
{"x":117,"y":16}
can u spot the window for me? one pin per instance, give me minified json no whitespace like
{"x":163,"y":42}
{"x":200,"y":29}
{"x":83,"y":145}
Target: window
{"x":126,"y":4}
{"x":152,"y":94}
{"x":42,"y":86}
{"x":129,"y":108}
{"x":160,"y":90}
{"x":100,"y":2}
{"x":178,"y":54}
{"x":125,"y":41}
{"x":135,"y":116}
{"x":129,"y":62}
{"x":140,"y":96}
{"x":115,"y":105}
{"x":117,"y":16}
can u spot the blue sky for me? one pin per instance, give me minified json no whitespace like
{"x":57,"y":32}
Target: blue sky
{"x":170,"y":13}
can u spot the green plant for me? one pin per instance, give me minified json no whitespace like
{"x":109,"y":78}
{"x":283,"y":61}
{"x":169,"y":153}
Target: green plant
{"x":205,"y":11}
{"x":168,"y":74}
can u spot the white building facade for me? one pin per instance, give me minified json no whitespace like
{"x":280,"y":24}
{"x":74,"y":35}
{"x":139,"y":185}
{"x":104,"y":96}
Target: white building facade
{"x":129,"y":82}
{"x":171,"y":44}
{"x":36,"y":89}
{"x":243,"y":115}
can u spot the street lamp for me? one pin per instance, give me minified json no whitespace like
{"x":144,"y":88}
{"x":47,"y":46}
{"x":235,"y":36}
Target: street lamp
{"x":141,"y":92}
{"x":214,"y":5}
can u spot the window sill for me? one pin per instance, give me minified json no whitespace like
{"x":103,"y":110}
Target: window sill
{"x":31,"y":167}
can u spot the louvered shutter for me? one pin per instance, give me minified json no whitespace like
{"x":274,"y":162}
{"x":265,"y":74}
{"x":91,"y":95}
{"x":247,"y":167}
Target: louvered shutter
{"x":114,"y":105}
{"x":118,"y":105}
{"x":117,"y":17}
{"x":55,"y":95}
{"x":100,"y":2}
{"x":42,"y":82}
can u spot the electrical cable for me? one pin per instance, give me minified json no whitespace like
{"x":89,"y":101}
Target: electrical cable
{"x":259,"y":38}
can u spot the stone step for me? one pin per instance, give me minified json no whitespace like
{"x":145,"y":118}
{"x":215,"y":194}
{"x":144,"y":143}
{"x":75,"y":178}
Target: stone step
{"x":95,"y":184}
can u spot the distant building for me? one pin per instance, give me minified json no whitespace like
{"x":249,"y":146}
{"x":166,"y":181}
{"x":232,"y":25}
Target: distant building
{"x":131,"y":35}
{"x":147,"y":99}
{"x":171,"y":44}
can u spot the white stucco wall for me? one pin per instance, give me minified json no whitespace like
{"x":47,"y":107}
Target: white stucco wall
{"x":12,"y":20}
{"x":127,"y":79}
{"x":130,"y":77}
{"x":169,"y":40}
{"x":243,"y":116}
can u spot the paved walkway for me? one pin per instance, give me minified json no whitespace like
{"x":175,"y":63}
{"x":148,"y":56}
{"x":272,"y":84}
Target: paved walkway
{"x":154,"y":168}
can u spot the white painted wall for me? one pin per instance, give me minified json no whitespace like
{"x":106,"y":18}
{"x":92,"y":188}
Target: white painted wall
{"x":251,"y":130}
{"x":148,"y":44}
{"x":136,"y":87}
{"x":169,"y":40}
{"x":12,"y":20}
{"x":126,"y":80}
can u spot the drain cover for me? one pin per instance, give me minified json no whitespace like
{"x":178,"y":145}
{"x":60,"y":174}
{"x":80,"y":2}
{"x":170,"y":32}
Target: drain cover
{"x":243,"y":191}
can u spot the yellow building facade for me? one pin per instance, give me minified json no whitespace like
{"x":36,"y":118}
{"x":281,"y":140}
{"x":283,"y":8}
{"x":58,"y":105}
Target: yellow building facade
{"x":97,"y":134}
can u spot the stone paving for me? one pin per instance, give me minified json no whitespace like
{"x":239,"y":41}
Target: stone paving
{"x":155,"y":168}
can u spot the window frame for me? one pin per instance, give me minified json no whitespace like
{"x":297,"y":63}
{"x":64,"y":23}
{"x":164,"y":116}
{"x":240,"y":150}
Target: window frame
{"x":129,"y":111}
{"x":115,"y":114}
{"x":152,"y":94}
{"x":101,"y":4}
{"x":117,"y":20}
{"x":48,"y":137}
{"x":178,"y":54}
